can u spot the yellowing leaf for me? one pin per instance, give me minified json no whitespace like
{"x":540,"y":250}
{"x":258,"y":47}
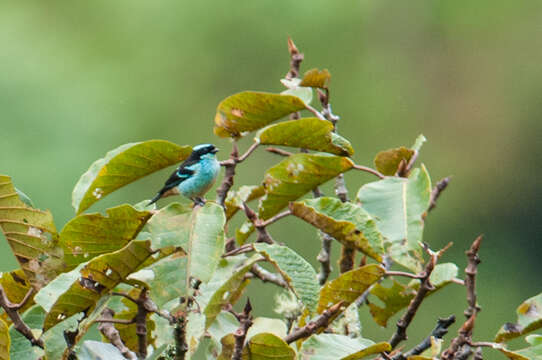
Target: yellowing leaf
{"x":31,"y":234}
{"x":251,"y":110}
{"x":4,"y":341}
{"x":529,"y":319}
{"x":122,"y":166}
{"x":316,"y":78}
{"x":350,"y":224}
{"x":266,"y":346}
{"x":295,"y":176}
{"x":309,"y":133}
{"x":387,"y":162}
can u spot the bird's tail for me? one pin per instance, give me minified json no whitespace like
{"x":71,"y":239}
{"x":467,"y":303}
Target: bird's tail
{"x":155,"y":199}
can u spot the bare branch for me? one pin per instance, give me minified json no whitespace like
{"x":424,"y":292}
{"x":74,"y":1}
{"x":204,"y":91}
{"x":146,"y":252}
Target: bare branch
{"x":267,"y":276}
{"x":470,"y":277}
{"x":263,"y":235}
{"x":245,"y":321}
{"x":108,"y":330}
{"x":439,"y":188}
{"x":321,"y":322}
{"x":405,"y":274}
{"x":227,"y":182}
{"x":324,"y":257}
{"x":296,"y":58}
{"x":278,"y":151}
{"x":316,"y":113}
{"x":240,"y":250}
{"x":369,"y":170}
{"x":264,"y":223}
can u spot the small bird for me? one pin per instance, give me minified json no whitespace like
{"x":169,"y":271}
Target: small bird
{"x":194,"y":177}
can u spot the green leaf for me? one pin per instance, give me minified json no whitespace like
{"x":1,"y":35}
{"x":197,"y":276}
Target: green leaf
{"x":97,"y":350}
{"x":295,"y":176}
{"x":21,"y":348}
{"x":195,"y":329}
{"x":206,"y":241}
{"x":297,"y":272}
{"x":170,"y":226}
{"x":225,"y":323}
{"x":398,"y":205}
{"x":316,"y":78}
{"x":304,"y":93}
{"x":334,"y":346}
{"x":54,"y":340}
{"x":223,"y":285}
{"x":398,"y":296}
{"x":24,"y":198}
{"x":31,"y":234}
{"x":276,"y":327}
{"x":266,"y":346}
{"x":309,"y":133}
{"x":419,"y":142}
{"x":244,"y":232}
{"x":387,"y":161}
{"x":122,"y":166}
{"x":251,"y":110}
{"x":349,"y":286}
{"x":530,"y":353}
{"x":235,"y":199}
{"x":97,"y":277}
{"x":89,"y":235}
{"x":529,"y":319}
{"x":4,"y":341}
{"x":227,"y":345}
{"x":349,"y":223}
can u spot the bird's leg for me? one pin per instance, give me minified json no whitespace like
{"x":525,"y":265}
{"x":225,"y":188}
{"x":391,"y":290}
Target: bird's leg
{"x":198,"y":201}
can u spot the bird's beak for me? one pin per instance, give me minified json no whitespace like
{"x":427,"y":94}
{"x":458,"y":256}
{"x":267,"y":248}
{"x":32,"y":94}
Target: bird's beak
{"x":215,"y":150}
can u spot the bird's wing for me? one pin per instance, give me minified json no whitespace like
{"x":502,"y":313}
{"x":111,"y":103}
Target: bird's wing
{"x":185,"y":170}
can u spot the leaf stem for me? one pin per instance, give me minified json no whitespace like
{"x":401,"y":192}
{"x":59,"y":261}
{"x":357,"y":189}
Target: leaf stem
{"x":369,"y":170}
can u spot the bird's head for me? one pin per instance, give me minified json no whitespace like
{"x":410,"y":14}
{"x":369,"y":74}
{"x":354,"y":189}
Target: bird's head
{"x":204,"y":151}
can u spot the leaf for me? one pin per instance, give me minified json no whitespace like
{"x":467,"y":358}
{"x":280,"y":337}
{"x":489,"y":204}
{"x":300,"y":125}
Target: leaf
{"x":16,"y":286}
{"x":206,"y":241}
{"x":96,"y":278}
{"x":530,"y":353}
{"x":244,"y":232}
{"x":276,"y":327}
{"x":334,"y":346}
{"x":398,"y":296}
{"x":170,"y":226}
{"x":387,"y":161}
{"x":222,"y":286}
{"x":297,"y":272}
{"x":295,"y":176}
{"x":31,"y":234}
{"x":54,"y":340}
{"x":4,"y":341}
{"x":316,"y":78}
{"x":21,"y":348}
{"x":350,"y":224}
{"x":304,"y":93}
{"x":225,"y":323}
{"x":398,"y":205}
{"x":97,"y":350}
{"x":309,"y":133}
{"x":266,"y":346}
{"x":89,"y":235}
{"x":251,"y":110}
{"x":349,"y":286}
{"x":419,"y":142}
{"x":235,"y":199}
{"x":529,"y":319}
{"x":227,"y":345}
{"x":122,"y":166}
{"x":24,"y":198}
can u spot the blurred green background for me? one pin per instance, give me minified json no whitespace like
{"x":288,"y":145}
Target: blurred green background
{"x":78,"y":79}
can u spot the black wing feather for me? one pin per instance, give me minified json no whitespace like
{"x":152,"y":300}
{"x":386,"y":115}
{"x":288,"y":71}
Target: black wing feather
{"x":177,"y":177}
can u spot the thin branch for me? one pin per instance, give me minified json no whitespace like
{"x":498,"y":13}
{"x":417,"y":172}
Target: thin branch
{"x":316,"y":113}
{"x":106,"y":320}
{"x":245,"y":321}
{"x":247,"y":153}
{"x":278,"y":151}
{"x":405,"y":274}
{"x":296,"y":58}
{"x":240,"y":250}
{"x":470,"y":277}
{"x":267,"y":276}
{"x":425,"y":286}
{"x":369,"y":170}
{"x":263,"y":235}
{"x":227,"y":182}
{"x":18,"y":323}
{"x":321,"y":322}
{"x":264,"y":223}
{"x":439,"y":188}
{"x":324,"y":257}
{"x":113,"y":335}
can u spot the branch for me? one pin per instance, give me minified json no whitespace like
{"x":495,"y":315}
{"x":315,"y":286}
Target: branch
{"x":278,"y":151}
{"x":267,"y":276}
{"x":438,"y":332}
{"x":439,"y":188}
{"x":470,"y":277}
{"x":263,"y":235}
{"x":321,"y":322}
{"x":316,"y":113}
{"x":405,"y":274}
{"x":295,"y":60}
{"x":109,"y":331}
{"x":264,"y":223}
{"x":11,"y":311}
{"x":324,"y":257}
{"x":245,"y":321}
{"x":181,"y":347}
{"x":415,"y":303}
{"x":369,"y":170}
{"x":240,"y":250}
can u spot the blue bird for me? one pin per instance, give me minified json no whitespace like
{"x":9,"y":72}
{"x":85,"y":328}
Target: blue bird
{"x":194,"y":177}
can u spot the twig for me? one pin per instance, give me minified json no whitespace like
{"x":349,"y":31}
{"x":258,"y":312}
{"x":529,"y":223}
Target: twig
{"x":240,"y":250}
{"x":369,"y":170}
{"x":11,"y":311}
{"x":425,"y":286}
{"x":321,"y":322}
{"x":112,"y":334}
{"x":267,"y":276}
{"x":324,"y":257}
{"x":264,"y":223}
{"x":405,"y":274}
{"x":278,"y":151}
{"x":438,"y":332}
{"x":296,"y":58}
{"x":263,"y":235}
{"x":316,"y":113}
{"x":245,"y":321}
{"x":470,"y":276}
{"x":463,"y":338}
{"x":439,"y":188}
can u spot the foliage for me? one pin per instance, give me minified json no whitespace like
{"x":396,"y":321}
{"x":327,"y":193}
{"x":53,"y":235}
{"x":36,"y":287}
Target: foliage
{"x":161,"y":283}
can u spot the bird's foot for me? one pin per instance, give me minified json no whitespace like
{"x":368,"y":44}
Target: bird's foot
{"x":198,"y":201}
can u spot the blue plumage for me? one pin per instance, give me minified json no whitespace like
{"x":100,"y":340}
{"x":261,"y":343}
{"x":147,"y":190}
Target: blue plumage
{"x":195,"y":176}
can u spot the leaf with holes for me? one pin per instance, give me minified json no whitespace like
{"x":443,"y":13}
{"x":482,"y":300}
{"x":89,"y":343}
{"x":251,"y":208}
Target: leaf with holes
{"x":295,"y":176}
{"x":251,"y":110}
{"x":349,"y":223}
{"x":31,"y":235}
{"x":349,"y":286}
{"x":122,"y":166}
{"x":309,"y":133}
{"x":94,"y":280}
{"x":398,"y":205}
{"x":529,"y":319}
{"x":297,"y":272}
{"x":316,"y":78}
{"x":89,"y":235}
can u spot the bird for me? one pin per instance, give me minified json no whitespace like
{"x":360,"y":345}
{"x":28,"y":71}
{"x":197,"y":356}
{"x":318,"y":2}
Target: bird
{"x":194,"y":177}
